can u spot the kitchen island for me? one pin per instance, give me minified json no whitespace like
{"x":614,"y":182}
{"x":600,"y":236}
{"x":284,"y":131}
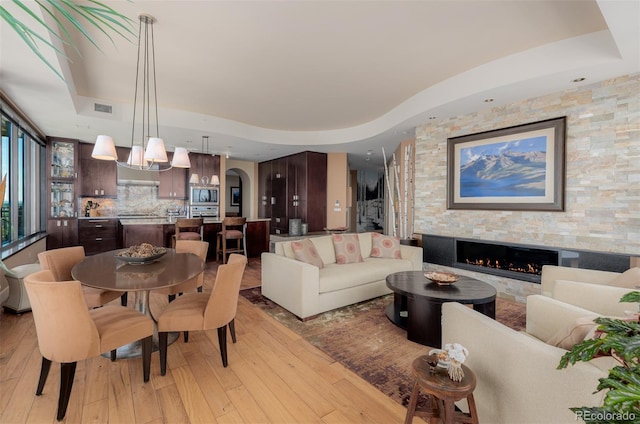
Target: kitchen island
{"x":158,"y":231}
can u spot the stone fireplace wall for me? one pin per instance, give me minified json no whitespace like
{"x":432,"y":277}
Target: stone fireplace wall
{"x":602,"y":194}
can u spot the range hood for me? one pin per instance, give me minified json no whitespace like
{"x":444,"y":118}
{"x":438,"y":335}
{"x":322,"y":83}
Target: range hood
{"x":128,"y":176}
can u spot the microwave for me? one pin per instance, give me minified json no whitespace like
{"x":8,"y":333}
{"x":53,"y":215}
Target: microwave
{"x":203,"y":196}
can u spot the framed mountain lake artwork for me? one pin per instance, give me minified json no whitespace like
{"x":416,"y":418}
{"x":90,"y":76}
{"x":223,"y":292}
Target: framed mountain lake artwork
{"x":515,"y":168}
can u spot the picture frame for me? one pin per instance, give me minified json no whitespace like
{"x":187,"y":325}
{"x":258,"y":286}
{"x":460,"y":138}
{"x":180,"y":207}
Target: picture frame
{"x":236,"y":196}
{"x":519,"y":168}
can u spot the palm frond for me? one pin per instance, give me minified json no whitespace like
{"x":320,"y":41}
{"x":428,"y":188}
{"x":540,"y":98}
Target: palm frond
{"x":63,"y":12}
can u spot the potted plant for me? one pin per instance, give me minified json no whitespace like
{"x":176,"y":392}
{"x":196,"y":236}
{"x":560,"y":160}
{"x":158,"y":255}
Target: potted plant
{"x":620,"y":339}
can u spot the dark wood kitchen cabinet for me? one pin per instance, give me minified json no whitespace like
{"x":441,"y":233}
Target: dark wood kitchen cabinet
{"x":307,"y":189}
{"x":264,"y":189}
{"x":279,"y":219}
{"x":62,"y":178}
{"x":294,"y":186}
{"x":62,"y":232}
{"x":173,"y":182}
{"x":98,"y":235}
{"x":98,"y":178}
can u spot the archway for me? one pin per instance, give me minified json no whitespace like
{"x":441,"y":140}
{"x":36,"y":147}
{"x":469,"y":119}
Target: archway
{"x":238,"y":193}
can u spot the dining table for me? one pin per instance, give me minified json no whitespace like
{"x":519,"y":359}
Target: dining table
{"x":109,"y":271}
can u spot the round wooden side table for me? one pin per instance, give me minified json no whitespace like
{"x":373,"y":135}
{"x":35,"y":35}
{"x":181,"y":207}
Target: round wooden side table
{"x":442,"y":393}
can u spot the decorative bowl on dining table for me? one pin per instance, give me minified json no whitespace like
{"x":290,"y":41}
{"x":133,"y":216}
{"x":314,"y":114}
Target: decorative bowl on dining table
{"x":442,"y":278}
{"x":143,"y":254}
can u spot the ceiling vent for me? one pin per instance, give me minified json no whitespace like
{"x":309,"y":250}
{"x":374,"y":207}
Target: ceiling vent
{"x":102,"y":108}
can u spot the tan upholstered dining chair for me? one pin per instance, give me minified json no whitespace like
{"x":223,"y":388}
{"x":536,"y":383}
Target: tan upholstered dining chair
{"x":61,"y":261}
{"x":233,"y":229}
{"x":203,"y":311}
{"x":198,"y":248}
{"x":69,"y":332}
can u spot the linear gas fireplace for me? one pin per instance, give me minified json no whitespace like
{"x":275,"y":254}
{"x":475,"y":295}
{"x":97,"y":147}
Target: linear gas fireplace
{"x":523,"y":263}
{"x":511,"y":260}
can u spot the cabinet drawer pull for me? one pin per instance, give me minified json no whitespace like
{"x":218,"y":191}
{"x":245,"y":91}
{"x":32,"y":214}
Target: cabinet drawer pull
{"x":98,"y":238}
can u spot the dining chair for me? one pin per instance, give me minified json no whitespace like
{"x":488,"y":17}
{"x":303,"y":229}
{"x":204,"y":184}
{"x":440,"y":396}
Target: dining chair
{"x":232,"y":324}
{"x":203,"y":311}
{"x":68,"y":331}
{"x":233,"y":228}
{"x":61,"y":261}
{"x":198,"y":248}
{"x":188,"y":229}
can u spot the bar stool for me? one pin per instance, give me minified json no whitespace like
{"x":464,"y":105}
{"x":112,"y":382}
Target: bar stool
{"x":188,"y":229}
{"x":442,"y":392}
{"x":233,"y":228}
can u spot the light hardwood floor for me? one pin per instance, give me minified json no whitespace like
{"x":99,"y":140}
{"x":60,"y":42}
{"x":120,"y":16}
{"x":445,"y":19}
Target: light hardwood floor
{"x":274,"y":376}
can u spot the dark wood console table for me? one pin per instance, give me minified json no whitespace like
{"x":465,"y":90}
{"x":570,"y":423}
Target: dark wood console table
{"x":417,"y":304}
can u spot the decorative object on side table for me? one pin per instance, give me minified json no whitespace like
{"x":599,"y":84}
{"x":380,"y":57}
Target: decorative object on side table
{"x":457,"y":355}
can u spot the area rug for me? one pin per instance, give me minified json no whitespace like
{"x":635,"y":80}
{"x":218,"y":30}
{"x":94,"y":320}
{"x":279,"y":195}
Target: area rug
{"x":362,"y":339}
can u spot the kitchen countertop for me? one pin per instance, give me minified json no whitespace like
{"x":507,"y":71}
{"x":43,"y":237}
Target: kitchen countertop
{"x":164,"y":220}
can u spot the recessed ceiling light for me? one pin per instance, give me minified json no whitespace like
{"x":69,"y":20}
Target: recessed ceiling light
{"x":578,"y":79}
{"x":488,"y":100}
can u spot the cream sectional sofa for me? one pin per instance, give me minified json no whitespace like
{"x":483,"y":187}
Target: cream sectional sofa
{"x":306,"y":290}
{"x":517,"y":376}
{"x":597,"y":291}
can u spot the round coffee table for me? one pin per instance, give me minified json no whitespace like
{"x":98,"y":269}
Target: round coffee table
{"x":417,"y":303}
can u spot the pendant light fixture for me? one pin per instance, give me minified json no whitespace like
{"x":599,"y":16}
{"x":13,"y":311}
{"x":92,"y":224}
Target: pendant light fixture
{"x":147,"y":151}
{"x":195,"y":178}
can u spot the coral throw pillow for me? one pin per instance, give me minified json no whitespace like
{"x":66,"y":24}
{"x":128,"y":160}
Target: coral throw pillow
{"x":385,"y":246}
{"x":347,"y":247}
{"x":305,"y":251}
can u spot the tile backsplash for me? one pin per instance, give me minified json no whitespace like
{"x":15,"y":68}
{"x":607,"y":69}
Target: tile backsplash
{"x":132,"y":199}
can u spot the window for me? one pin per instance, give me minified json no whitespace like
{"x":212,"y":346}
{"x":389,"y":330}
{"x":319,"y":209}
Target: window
{"x":22,"y":158}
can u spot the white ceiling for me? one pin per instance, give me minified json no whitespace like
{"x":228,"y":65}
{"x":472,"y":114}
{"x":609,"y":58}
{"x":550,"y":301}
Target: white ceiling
{"x":268,"y":78}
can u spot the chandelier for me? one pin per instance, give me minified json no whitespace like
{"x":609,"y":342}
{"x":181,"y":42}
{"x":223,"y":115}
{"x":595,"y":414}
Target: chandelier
{"x":147,"y":152}
{"x":204,"y":180}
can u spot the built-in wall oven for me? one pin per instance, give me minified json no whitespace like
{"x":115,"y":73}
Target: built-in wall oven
{"x":203,"y":212}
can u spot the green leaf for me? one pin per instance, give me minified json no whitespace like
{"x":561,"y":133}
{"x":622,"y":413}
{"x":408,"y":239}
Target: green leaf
{"x":27,"y":36}
{"x":634,"y":296}
{"x":95,"y":14}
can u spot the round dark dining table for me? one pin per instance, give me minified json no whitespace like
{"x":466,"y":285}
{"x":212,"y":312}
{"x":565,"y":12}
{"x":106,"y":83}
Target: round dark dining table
{"x":105,"y":271}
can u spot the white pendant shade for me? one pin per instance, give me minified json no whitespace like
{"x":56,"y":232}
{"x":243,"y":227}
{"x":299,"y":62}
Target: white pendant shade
{"x":155,"y":151}
{"x":181,"y":158}
{"x":195,"y":179}
{"x":215,"y":180}
{"x":104,"y":148}
{"x":136,"y":157}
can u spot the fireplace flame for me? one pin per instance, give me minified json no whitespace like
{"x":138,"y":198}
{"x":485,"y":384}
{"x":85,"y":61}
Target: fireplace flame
{"x":495,"y":263}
